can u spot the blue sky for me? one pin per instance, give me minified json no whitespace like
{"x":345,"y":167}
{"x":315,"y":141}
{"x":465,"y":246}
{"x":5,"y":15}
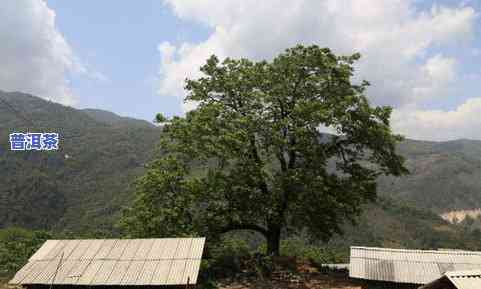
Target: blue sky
{"x":423,"y":58}
{"x":119,"y":39}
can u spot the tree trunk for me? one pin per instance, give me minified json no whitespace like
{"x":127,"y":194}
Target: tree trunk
{"x":273,"y":240}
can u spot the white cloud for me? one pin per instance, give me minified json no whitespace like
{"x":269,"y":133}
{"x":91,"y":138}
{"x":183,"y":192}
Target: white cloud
{"x":434,"y":78}
{"x":391,"y":35}
{"x":439,"y":125}
{"x":34,"y":55}
{"x":439,"y":68}
{"x":396,"y":39}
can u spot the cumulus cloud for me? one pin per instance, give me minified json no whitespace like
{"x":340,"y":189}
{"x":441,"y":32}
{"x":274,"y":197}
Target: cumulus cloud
{"x":396,"y":39}
{"x":439,"y":125}
{"x":434,"y":78}
{"x":34,"y":56}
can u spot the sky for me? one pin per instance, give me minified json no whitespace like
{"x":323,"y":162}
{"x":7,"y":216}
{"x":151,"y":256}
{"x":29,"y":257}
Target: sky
{"x":422,"y":57}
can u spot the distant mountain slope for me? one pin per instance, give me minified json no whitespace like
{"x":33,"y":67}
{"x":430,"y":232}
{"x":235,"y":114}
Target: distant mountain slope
{"x":111,"y":118}
{"x":394,"y":224}
{"x":455,"y":217}
{"x":445,"y":176}
{"x":83,"y":185}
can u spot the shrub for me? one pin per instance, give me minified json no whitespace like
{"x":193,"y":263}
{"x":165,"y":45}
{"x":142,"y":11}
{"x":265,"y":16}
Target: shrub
{"x":16,"y":246}
{"x":296,"y":247}
{"x":227,"y":257}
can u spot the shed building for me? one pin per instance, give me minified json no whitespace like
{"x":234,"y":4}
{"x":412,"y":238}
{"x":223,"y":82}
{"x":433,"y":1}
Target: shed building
{"x":113,"y":262}
{"x":401,"y":268}
{"x":457,"y":280}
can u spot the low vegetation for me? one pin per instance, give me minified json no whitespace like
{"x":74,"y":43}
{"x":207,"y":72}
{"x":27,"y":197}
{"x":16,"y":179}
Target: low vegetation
{"x":16,"y":246}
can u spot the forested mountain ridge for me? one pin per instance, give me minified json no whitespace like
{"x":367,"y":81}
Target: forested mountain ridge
{"x":111,"y":118}
{"x":83,"y":186}
{"x":444,"y":176}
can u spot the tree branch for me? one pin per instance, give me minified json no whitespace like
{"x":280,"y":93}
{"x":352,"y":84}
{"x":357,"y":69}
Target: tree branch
{"x":257,"y":159}
{"x":292,"y":153}
{"x":251,"y":227}
{"x":280,"y":156}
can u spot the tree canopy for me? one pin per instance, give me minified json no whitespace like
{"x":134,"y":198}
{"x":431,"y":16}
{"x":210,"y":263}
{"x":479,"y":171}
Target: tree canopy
{"x":255,"y":155}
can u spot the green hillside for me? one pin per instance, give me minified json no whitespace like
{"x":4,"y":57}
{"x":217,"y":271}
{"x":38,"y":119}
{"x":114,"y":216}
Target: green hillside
{"x":444,"y":176}
{"x":394,"y":224}
{"x":82,"y":187}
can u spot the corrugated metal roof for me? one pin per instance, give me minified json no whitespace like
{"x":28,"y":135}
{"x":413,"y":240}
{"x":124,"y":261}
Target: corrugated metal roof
{"x":408,"y":266}
{"x":457,"y":279}
{"x":170,"y":261}
{"x":465,"y":279}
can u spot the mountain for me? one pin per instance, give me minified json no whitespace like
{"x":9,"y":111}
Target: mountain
{"x":396,"y":224}
{"x":83,"y":186}
{"x":445,"y":176}
{"x":113,"y":119}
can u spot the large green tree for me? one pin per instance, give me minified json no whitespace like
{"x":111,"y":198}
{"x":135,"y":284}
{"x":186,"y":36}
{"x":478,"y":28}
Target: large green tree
{"x":253,"y":155}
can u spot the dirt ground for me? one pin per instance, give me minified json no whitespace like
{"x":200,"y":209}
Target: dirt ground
{"x":315,"y":283}
{"x":304,"y":276}
{"x":3,"y":284}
